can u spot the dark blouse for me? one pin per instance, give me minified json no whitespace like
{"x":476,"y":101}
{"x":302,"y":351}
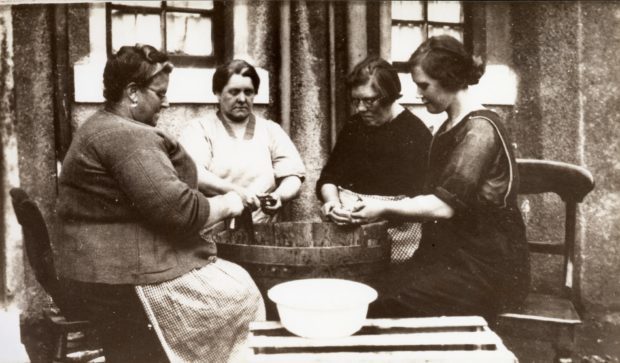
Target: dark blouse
{"x":475,"y":263}
{"x":470,"y":165}
{"x":381,"y":160}
{"x":474,"y":171}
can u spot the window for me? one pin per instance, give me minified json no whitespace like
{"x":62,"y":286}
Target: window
{"x":415,"y":21}
{"x":189,"y":31}
{"x":194,"y":58}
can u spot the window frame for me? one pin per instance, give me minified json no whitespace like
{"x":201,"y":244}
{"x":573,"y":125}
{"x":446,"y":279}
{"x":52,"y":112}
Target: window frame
{"x":181,"y":60}
{"x":466,"y":26}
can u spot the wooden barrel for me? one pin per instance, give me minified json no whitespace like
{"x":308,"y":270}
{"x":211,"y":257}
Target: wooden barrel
{"x":279,"y":252}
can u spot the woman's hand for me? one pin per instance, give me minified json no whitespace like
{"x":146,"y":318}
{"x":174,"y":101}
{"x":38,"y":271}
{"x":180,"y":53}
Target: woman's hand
{"x":341,"y":216}
{"x":248,"y":198}
{"x":224,"y":206}
{"x":234,"y":203}
{"x":367,"y":211}
{"x":328,"y":207}
{"x":270,"y":203}
{"x":333,"y":211}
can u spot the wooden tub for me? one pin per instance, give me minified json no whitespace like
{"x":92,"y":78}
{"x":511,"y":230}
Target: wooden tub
{"x":284,"y":251}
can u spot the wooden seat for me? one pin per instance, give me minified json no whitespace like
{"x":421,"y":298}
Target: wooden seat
{"x":66,"y":322}
{"x":545,"y":316}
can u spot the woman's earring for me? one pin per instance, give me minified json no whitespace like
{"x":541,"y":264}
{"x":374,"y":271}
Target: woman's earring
{"x":134,"y":104}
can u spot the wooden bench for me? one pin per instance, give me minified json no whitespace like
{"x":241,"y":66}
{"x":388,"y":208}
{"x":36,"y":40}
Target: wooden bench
{"x":442,"y":339}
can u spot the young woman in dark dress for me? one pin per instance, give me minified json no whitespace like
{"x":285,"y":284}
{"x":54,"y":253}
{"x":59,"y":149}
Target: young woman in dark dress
{"x":473,"y":257}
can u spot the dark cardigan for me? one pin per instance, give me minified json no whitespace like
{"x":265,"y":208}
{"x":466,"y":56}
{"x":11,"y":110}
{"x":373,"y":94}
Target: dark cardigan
{"x":382,"y":160}
{"x":128,"y":204}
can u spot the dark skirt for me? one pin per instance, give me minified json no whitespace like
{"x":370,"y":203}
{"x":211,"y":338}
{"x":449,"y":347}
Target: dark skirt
{"x":473,"y":264}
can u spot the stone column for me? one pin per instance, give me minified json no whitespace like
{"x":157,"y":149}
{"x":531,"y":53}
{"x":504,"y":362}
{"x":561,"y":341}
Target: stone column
{"x":309,"y":97}
{"x":11,"y":257}
{"x":34,"y":115}
{"x":599,"y":131}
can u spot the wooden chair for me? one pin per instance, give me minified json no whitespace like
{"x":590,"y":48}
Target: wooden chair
{"x":543,"y":316}
{"x":66,"y":323}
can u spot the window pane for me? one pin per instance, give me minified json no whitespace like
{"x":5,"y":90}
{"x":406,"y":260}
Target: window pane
{"x":129,"y":29}
{"x":432,"y":31}
{"x":150,"y":4}
{"x":445,"y":11}
{"x":405,"y":39}
{"x":189,"y":34}
{"x":407,"y":10}
{"x":205,"y":5}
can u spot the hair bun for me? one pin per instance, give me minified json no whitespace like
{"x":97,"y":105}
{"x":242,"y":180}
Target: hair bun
{"x":476,"y":71}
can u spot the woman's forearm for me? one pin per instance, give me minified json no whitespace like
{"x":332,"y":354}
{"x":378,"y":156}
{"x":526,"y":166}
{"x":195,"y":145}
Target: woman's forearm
{"x":211,"y":184}
{"x":423,"y":207}
{"x":224,"y":206}
{"x":329,"y":193}
{"x":288,"y":188}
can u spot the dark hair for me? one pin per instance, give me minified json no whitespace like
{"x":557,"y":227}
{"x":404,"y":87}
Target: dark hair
{"x":384,"y":78}
{"x":235,"y":66}
{"x":138,"y":64}
{"x":445,"y":59}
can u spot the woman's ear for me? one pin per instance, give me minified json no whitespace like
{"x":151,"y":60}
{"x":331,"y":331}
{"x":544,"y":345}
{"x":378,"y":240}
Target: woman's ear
{"x":131,"y":92}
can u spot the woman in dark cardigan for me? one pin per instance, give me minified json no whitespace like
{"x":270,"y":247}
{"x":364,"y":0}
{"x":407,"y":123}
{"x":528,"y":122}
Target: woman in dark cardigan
{"x":131,"y":216}
{"x":380,"y":154}
{"x":473,"y":257}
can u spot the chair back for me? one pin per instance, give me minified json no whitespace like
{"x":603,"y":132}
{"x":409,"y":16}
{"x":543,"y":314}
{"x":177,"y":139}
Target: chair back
{"x":571,"y":183}
{"x":36,"y":242}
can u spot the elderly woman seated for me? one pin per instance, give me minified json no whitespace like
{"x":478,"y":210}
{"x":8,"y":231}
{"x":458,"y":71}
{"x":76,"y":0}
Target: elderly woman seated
{"x":131,"y":216}
{"x":237,"y":150}
{"x":380,"y":154}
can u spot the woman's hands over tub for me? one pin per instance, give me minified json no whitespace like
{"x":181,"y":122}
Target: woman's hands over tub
{"x":270,"y":202}
{"x":248,"y":198}
{"x":367,"y":211}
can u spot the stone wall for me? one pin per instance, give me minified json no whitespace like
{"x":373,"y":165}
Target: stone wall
{"x":34,"y":125}
{"x":565,"y":54}
{"x":600,"y":134}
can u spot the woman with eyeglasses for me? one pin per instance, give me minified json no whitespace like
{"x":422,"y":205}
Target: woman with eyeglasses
{"x":473,"y":256}
{"x":131,"y":214}
{"x":380,"y":154}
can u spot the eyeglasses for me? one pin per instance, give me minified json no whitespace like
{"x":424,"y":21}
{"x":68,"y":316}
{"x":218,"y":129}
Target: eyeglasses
{"x":158,"y":93}
{"x":367,"y":101}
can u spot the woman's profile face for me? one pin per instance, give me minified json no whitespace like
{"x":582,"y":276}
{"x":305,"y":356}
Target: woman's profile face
{"x":152,"y":99}
{"x":436,"y":98}
{"x":367,"y":102}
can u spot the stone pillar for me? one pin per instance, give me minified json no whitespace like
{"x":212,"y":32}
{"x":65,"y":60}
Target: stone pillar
{"x":304,"y":47}
{"x":309,"y":97}
{"x":599,"y":130}
{"x":11,"y":257}
{"x":264,"y":49}
{"x":34,"y":115}
{"x":356,"y":32}
{"x":385,"y":30}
